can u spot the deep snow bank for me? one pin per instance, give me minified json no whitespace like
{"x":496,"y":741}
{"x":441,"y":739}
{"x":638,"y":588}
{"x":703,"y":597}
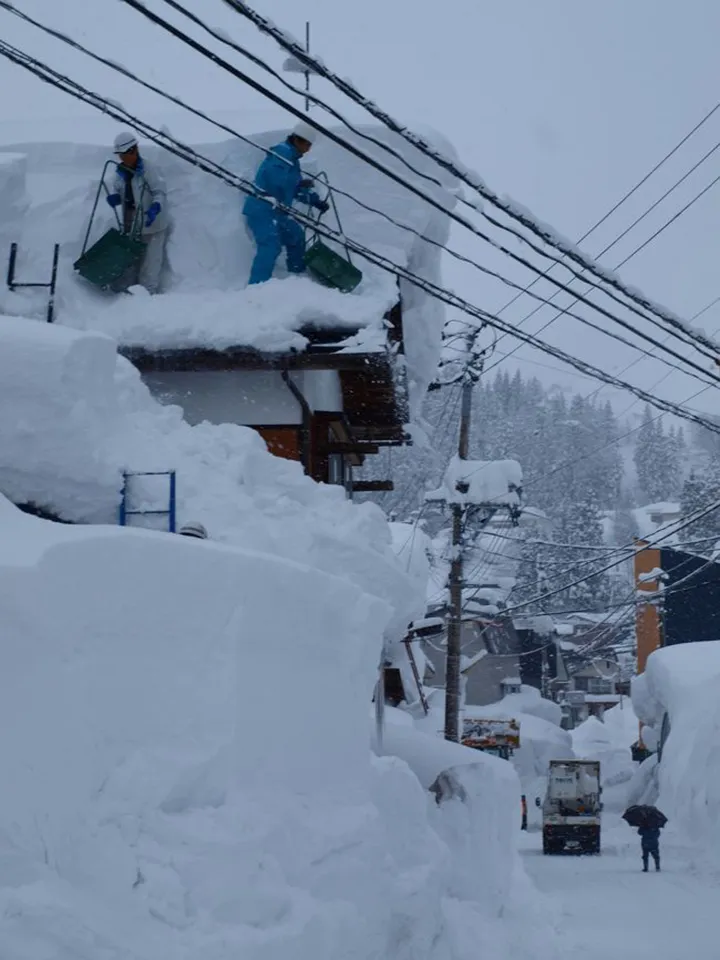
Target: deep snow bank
{"x":13,"y":198}
{"x":74,"y":416}
{"x":608,"y":743}
{"x":210,"y":250}
{"x":186,"y":765}
{"x":678,"y":696}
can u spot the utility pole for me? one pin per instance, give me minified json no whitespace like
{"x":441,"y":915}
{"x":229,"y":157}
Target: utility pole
{"x":545,"y":667}
{"x":307,"y":71}
{"x":293,"y":65}
{"x":471,"y":372}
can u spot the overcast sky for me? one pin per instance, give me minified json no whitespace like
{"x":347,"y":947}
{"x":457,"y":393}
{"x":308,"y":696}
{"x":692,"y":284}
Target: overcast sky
{"x":562,"y":104}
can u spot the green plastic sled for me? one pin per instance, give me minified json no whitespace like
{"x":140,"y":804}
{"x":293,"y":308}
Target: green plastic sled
{"x":111,"y":261}
{"x":330,"y":268}
{"x":323,"y":263}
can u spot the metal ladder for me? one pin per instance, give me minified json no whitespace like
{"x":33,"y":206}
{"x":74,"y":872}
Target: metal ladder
{"x":170,"y":513}
{"x":13,"y":284}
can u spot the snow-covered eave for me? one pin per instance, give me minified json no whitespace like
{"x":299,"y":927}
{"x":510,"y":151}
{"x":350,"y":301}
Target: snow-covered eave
{"x":319,"y":356}
{"x":375,"y":378}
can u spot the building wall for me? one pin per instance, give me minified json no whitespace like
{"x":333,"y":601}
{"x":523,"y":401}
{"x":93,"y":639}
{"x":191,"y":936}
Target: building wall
{"x":246,"y":397}
{"x":483,"y":681}
{"x":693,"y":611}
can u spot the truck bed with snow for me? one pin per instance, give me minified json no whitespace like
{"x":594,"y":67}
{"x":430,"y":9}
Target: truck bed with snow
{"x":571,"y":809}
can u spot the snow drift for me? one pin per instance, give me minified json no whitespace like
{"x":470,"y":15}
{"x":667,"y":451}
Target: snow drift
{"x":187,"y":771}
{"x":678,"y":697}
{"x":606,"y":741}
{"x":74,"y":416}
{"x":184,"y":733}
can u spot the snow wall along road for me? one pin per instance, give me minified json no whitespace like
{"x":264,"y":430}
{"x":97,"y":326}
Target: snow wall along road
{"x":677,"y":696}
{"x":187,"y":771}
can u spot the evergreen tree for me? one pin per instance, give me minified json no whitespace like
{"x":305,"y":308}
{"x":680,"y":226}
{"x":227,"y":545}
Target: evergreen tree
{"x":656,"y":460}
{"x":700,"y":491}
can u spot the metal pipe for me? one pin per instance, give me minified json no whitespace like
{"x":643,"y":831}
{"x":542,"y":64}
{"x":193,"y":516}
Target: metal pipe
{"x":53,"y":284}
{"x":306,"y":418}
{"x":11,"y":266}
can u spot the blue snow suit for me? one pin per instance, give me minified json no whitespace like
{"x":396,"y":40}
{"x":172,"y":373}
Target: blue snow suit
{"x":278,"y":177}
{"x":650,"y":842}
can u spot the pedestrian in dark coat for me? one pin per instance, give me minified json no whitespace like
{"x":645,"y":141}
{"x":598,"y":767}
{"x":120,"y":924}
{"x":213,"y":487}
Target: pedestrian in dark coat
{"x":650,"y":842}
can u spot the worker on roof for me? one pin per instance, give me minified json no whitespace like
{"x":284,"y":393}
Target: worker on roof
{"x":279,"y":178}
{"x":139,"y":192}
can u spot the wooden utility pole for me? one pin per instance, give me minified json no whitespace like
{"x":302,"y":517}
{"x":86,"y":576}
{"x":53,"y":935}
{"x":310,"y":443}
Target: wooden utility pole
{"x":470,"y":376}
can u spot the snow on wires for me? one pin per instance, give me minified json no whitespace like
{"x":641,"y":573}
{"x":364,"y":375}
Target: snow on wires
{"x":165,"y":140}
{"x":462,"y":173}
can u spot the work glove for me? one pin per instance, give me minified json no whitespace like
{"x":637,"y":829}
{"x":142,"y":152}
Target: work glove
{"x":114,"y":199}
{"x":323,"y":206}
{"x":153,"y":210}
{"x":305,"y":184}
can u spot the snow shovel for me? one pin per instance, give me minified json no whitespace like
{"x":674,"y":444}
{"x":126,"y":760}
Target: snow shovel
{"x":112,"y":262}
{"x":324,"y":264}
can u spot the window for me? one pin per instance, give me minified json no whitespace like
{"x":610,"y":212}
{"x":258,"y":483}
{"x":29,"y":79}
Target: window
{"x":599,"y":685}
{"x":336,"y":468}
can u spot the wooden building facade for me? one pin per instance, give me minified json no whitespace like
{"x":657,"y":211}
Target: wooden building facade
{"x":329,"y":406}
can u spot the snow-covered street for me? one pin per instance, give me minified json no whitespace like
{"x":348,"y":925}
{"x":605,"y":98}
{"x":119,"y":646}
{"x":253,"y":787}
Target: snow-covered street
{"x":605,"y":906}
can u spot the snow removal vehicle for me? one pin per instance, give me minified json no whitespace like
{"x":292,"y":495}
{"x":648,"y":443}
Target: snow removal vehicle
{"x":500,"y":737}
{"x":572,"y":806}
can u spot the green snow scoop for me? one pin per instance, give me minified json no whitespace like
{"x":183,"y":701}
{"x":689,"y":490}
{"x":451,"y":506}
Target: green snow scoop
{"x":112,"y":263}
{"x":326,"y":265}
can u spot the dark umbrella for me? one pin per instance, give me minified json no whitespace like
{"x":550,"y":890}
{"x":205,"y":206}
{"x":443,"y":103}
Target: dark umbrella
{"x":644,"y":815}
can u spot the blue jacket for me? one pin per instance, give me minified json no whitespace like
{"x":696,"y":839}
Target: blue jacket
{"x":279,"y":176}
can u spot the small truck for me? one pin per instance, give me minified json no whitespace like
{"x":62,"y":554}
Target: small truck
{"x":572,"y":806}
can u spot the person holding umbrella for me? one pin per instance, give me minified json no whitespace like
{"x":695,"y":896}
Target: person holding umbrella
{"x":649,"y":822}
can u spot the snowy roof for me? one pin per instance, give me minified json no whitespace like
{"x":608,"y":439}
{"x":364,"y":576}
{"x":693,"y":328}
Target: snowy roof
{"x":663,"y":511}
{"x":210,"y":251}
{"x":540,"y":623}
{"x":494,"y":482}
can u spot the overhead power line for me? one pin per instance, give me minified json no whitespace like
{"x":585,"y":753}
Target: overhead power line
{"x":223,"y":38}
{"x":621,"y":236}
{"x":123,"y":71}
{"x":533,"y":481}
{"x":633,"y":190}
{"x":672,"y":220}
{"x":165,"y":140}
{"x":679,"y":330}
{"x":267,"y":27}
{"x":650,"y":543}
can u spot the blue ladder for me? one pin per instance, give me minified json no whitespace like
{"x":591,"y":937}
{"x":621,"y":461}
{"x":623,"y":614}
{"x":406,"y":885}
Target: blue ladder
{"x":169,"y":513}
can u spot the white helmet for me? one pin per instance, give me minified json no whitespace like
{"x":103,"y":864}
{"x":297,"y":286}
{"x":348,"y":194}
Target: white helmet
{"x":193,"y":529}
{"x":124,"y":141}
{"x":304,"y":131}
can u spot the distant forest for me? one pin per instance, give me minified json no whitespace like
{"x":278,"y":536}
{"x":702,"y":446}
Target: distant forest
{"x":584,"y":468}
